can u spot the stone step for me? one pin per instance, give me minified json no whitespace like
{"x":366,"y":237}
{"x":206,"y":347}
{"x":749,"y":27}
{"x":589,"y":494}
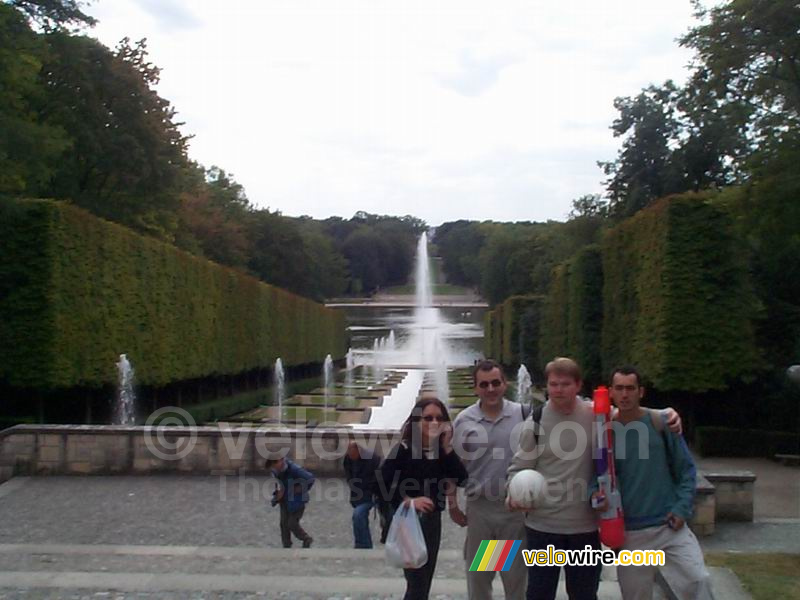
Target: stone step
{"x":318,"y":572}
{"x":200,"y":572}
{"x":271,"y":586}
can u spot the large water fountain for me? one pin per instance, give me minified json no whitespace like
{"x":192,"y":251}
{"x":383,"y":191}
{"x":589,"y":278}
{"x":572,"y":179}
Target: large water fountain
{"x":399,"y":354}
{"x":427,"y":346}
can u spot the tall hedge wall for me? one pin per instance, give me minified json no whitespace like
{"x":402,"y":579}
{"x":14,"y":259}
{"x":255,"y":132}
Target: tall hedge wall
{"x":77,"y":291}
{"x":511,"y":331}
{"x":493,"y":333}
{"x":585,"y":312}
{"x":520,"y":341}
{"x":555,"y":313}
{"x":572,"y":318}
{"x":677,"y":297}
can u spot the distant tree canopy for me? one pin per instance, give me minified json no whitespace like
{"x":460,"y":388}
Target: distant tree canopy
{"x":84,"y":124}
{"x":733,"y":131}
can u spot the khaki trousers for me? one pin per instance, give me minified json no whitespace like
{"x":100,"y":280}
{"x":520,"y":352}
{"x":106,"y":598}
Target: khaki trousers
{"x":490,"y":520}
{"x":683,"y":568}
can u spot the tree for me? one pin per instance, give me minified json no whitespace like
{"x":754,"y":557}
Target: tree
{"x":30,"y":146}
{"x":52,"y":15}
{"x":328,"y":268}
{"x":278,"y":254}
{"x":364,"y":249}
{"x":643,"y":171}
{"x":589,"y":205}
{"x":748,"y":53}
{"x":128,"y":157}
{"x":459,"y":244}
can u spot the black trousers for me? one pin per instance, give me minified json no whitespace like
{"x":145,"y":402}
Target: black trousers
{"x":418,"y":581}
{"x":582,"y":582}
{"x":290,"y":524}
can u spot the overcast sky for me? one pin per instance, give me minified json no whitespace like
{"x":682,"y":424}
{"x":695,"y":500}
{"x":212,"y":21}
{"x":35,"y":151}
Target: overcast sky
{"x":455,"y":109}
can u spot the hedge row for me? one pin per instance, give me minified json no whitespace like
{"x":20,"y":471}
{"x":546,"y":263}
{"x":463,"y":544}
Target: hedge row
{"x":667,"y":290}
{"x":725,"y":441}
{"x":77,"y":291}
{"x":511,"y":331}
{"x":677,"y":297}
{"x":573,"y":313}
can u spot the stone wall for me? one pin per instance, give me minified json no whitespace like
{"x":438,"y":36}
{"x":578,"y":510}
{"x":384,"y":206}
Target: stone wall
{"x":108,"y":450}
{"x":734,"y":494}
{"x":705,"y":507}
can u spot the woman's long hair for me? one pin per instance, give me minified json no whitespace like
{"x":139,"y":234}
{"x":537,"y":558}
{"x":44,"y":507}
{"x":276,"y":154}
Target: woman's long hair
{"x":412,"y":432}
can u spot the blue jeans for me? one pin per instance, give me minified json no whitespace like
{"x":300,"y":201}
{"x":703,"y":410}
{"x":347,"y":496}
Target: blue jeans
{"x":361,"y":531}
{"x":582,"y":582}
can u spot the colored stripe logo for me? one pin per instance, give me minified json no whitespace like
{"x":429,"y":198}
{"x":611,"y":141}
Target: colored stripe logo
{"x":495,"y":555}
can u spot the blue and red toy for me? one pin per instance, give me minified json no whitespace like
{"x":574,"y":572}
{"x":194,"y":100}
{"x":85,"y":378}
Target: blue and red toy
{"x":612,"y":523}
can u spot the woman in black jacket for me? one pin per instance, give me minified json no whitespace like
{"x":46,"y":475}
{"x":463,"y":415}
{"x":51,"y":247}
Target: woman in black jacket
{"x":417,"y":473}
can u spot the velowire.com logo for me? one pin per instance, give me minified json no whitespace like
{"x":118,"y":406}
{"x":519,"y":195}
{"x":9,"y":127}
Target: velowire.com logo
{"x":495,"y":555}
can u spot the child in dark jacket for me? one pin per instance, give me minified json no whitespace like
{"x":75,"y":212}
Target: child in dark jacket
{"x":291,"y":494}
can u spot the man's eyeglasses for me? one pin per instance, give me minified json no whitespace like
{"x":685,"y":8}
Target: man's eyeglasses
{"x":430,"y":418}
{"x":494,"y":383}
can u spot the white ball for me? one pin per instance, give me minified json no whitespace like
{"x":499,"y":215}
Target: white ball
{"x":526,"y":488}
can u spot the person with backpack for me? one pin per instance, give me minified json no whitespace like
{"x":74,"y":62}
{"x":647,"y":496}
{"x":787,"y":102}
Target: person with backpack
{"x":483,"y":436}
{"x":656,"y":478}
{"x":291,"y":494}
{"x":557,"y":442}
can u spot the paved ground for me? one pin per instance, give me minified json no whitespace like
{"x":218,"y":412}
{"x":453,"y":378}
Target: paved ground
{"x":193,"y":537}
{"x":216,"y":537}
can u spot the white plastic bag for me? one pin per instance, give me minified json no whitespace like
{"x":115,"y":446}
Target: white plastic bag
{"x":405,"y":544}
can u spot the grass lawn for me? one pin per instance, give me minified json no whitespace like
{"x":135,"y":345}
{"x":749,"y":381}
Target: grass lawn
{"x":764,"y":576}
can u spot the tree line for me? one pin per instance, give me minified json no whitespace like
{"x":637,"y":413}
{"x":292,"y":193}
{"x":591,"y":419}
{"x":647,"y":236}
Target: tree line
{"x":82,"y":123}
{"x":731,"y":131}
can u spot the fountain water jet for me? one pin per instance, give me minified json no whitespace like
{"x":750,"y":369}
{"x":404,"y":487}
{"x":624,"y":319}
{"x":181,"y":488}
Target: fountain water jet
{"x":280,"y":391}
{"x":350,"y":364}
{"x":524,"y":384}
{"x":327,"y":377}
{"x":125,"y":405}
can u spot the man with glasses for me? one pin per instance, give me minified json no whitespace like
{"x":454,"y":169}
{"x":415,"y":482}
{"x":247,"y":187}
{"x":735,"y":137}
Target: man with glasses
{"x":483,"y":440}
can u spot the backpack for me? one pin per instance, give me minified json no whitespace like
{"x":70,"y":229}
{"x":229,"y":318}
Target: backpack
{"x":535,"y":413}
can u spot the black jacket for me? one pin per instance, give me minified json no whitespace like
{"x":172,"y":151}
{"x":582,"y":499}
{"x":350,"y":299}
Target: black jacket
{"x":407,"y":474}
{"x":362,"y":477}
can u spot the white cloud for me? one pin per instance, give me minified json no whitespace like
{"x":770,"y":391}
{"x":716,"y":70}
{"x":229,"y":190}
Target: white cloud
{"x":446,"y":110}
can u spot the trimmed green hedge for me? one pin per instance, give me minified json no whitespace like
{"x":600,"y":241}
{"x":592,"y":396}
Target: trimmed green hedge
{"x":77,"y":291}
{"x":572,"y":318}
{"x":493,"y":333}
{"x":585,"y":310}
{"x":553,"y":329}
{"x":511,"y":331}
{"x":677,"y":297}
{"x":725,"y":441}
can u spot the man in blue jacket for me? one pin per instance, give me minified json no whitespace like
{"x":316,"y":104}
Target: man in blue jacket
{"x":291,"y":493}
{"x":656,"y":477}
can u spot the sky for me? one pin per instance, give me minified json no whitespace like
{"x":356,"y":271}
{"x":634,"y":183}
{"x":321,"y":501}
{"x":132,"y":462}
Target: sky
{"x":441,"y":109}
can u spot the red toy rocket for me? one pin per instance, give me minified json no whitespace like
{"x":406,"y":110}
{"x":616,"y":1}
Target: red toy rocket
{"x":612,"y":523}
